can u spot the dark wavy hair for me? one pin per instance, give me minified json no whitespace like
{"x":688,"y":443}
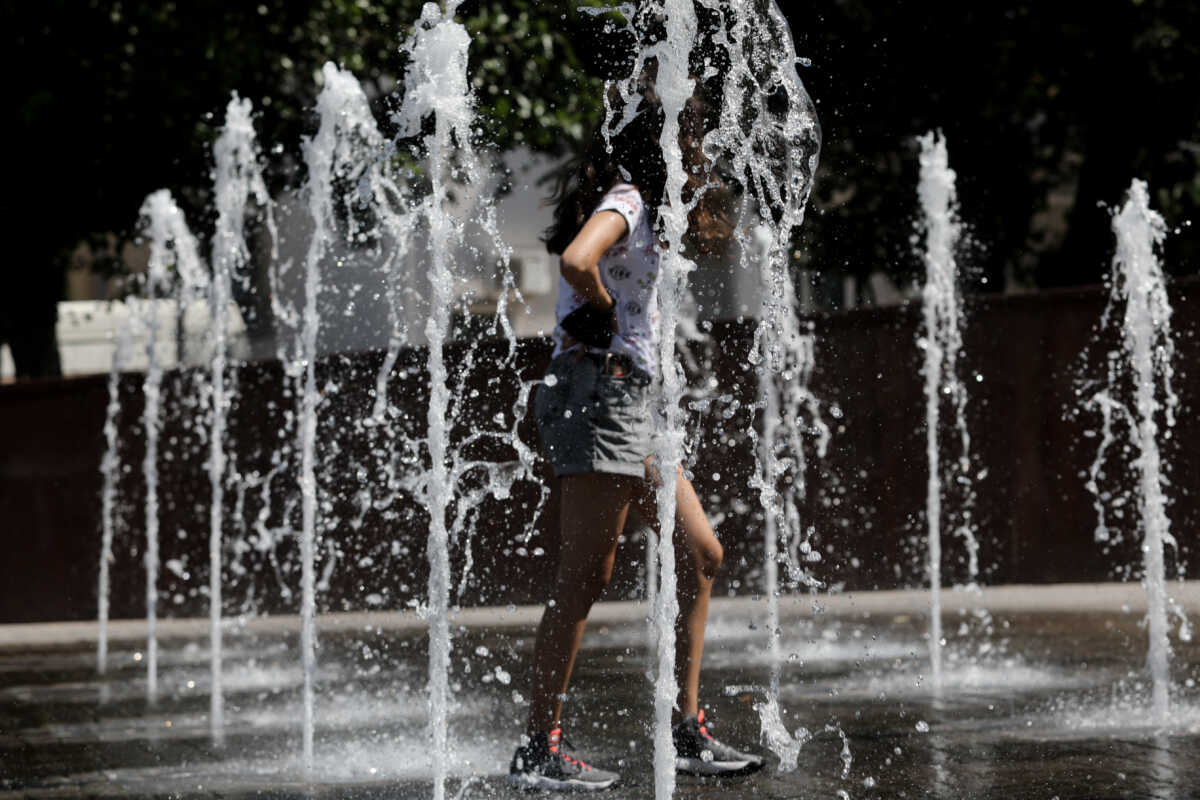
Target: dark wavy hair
{"x":633,"y":154}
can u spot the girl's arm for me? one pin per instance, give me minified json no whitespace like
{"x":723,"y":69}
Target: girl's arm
{"x":581,"y":260}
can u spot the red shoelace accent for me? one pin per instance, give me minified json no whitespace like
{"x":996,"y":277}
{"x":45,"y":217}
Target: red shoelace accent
{"x":555,"y":737}
{"x":703,"y":728}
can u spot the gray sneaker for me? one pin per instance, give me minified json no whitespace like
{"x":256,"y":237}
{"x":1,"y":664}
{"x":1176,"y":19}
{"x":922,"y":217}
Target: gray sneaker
{"x":542,"y":764}
{"x":698,"y":753}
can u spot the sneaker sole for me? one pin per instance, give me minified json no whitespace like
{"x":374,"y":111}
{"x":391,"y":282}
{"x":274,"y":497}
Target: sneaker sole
{"x":698,"y":766}
{"x":541,"y":782}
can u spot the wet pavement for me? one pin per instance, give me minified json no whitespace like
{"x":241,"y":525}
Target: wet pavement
{"x":1036,"y":702}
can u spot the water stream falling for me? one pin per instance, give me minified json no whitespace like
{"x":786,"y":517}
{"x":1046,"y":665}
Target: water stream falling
{"x":151,"y":424}
{"x":436,"y":84}
{"x":331,"y":154}
{"x":110,"y":470}
{"x":171,"y":245}
{"x":941,"y":341}
{"x":769,"y":136}
{"x":675,"y":87}
{"x":1138,"y":295}
{"x":236,"y":175}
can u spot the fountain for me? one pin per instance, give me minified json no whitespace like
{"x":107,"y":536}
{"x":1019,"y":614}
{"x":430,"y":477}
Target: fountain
{"x":437,"y":84}
{"x":348,"y":148}
{"x":768,"y":135}
{"x":773,"y":148}
{"x":236,"y":176}
{"x":171,"y":245}
{"x":424,"y":451}
{"x":110,"y":470}
{"x":1138,"y":296}
{"x":941,"y":341}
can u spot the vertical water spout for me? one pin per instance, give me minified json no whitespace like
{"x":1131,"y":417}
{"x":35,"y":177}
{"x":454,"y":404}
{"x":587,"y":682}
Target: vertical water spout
{"x":110,"y":469}
{"x":1138,"y":283}
{"x":151,"y":423}
{"x":675,"y":86}
{"x":171,"y":244}
{"x":769,"y":137}
{"x":235,"y":176}
{"x":436,"y":83}
{"x":219,"y":317}
{"x":319,"y":158}
{"x":940,"y":339}
{"x":346,"y":138}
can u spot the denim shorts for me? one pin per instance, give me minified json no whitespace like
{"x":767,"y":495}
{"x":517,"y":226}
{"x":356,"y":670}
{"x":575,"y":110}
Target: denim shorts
{"x":594,"y":422}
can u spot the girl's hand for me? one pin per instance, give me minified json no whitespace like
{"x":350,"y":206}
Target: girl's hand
{"x":569,"y":341}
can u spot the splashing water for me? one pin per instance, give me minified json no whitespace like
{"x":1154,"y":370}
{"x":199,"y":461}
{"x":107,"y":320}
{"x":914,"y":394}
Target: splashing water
{"x":1138,"y":293}
{"x":772,"y":148}
{"x":330,"y":155}
{"x":110,"y":469}
{"x":436,"y":84}
{"x":236,"y":175}
{"x":675,"y":87}
{"x":425,"y":82}
{"x":347,"y":150}
{"x":941,"y":341}
{"x":171,"y":244}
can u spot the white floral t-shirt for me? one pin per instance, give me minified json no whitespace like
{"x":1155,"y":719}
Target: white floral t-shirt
{"x":629,"y":271}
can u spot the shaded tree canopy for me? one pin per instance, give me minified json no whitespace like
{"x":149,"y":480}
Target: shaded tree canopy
{"x":126,"y":97}
{"x":1047,"y":114}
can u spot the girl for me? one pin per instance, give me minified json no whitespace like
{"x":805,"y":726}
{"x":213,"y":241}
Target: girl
{"x":593,"y":413}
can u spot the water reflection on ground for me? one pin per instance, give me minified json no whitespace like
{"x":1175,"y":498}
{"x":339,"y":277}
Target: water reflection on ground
{"x":1044,"y":705}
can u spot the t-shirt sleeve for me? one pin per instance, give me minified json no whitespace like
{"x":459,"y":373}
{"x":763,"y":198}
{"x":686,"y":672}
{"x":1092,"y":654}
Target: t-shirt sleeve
{"x":626,"y":201}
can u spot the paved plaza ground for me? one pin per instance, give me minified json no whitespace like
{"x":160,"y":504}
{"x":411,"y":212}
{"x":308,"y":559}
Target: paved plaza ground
{"x":1053,"y":702}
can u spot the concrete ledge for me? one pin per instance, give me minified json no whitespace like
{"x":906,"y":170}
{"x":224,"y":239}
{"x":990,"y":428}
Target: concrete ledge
{"x":1064,"y":598}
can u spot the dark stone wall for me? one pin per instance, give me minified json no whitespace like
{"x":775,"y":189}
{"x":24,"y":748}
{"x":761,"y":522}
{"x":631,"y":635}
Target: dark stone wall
{"x":1024,"y":359}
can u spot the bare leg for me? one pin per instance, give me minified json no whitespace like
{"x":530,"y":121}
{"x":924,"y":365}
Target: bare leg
{"x":698,"y":554}
{"x":594,"y":507}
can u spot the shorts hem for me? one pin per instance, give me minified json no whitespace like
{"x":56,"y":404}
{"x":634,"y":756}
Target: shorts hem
{"x":631,"y":469}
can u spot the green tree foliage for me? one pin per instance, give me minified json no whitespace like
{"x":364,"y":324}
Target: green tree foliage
{"x":1048,"y":113}
{"x":125,"y":97}
{"x":117,"y":99}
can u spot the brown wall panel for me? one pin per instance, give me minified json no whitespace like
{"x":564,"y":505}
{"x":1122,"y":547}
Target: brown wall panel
{"x":865,"y":501}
